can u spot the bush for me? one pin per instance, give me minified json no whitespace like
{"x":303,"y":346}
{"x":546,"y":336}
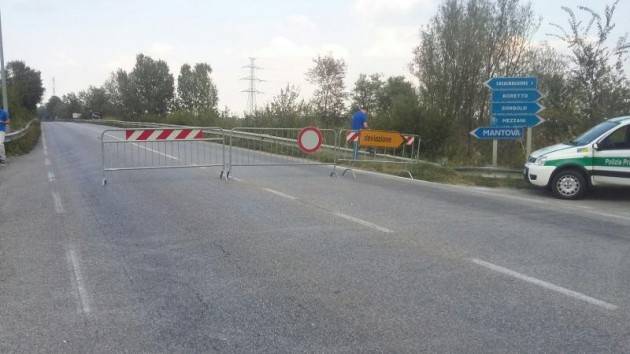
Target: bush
{"x":26,"y":143}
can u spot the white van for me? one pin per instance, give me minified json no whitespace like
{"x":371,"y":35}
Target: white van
{"x":601,"y":156}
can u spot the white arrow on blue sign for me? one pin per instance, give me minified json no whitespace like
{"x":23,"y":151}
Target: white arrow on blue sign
{"x":502,"y":96}
{"x":516,"y":120}
{"x":512,"y":83}
{"x":497,"y":133}
{"x":516,"y":108}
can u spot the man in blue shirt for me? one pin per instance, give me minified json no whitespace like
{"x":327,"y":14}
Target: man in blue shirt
{"x":359,"y":121}
{"x":4,"y":122}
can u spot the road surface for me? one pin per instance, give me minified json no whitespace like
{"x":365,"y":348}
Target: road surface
{"x":288,"y":259}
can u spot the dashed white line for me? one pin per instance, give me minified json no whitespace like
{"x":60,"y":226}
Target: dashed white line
{"x":47,"y":162}
{"x":364,"y":223}
{"x":544,"y":284}
{"x":236,"y":179}
{"x":51,"y":177}
{"x":78,"y":281}
{"x":280,"y":194}
{"x":155,"y":151}
{"x":57,"y":200}
{"x":616,"y":216}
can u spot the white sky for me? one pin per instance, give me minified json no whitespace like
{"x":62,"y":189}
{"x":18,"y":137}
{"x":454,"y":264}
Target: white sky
{"x":81,"y":42}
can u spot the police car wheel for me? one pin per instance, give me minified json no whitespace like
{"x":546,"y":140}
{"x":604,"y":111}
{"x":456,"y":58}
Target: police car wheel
{"x":569,"y":184}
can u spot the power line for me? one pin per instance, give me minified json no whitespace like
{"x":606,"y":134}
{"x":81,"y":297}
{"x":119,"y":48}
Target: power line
{"x":251,"y":90}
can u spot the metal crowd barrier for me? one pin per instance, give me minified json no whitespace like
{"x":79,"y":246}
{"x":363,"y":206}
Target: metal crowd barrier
{"x":166,"y":147}
{"x":277,"y":147}
{"x":162,"y":148}
{"x":406,"y":153}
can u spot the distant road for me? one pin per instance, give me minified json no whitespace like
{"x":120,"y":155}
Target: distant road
{"x":288,"y":259}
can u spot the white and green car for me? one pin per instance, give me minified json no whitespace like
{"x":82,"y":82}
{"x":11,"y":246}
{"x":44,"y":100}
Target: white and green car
{"x":599,"y":157}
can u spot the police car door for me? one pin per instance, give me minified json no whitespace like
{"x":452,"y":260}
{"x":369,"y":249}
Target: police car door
{"x":611,"y":163}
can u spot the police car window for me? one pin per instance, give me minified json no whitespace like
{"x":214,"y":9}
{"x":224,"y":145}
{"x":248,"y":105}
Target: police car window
{"x":618,"y":140}
{"x":593,"y":133}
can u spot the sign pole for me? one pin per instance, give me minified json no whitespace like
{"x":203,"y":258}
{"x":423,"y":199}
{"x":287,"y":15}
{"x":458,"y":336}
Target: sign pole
{"x":5,"y":103}
{"x":529,"y":141}
{"x":495,"y":151}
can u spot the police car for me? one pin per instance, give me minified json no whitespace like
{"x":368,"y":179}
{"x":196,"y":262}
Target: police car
{"x":599,"y":157}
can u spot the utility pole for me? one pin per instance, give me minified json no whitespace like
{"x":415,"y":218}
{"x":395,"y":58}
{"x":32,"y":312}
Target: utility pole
{"x":251,"y":89}
{"x":53,"y":88}
{"x":5,"y":99}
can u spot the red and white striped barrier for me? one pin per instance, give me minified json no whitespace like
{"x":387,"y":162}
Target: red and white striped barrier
{"x":352,"y":137}
{"x":409,"y":139}
{"x":163,"y":134}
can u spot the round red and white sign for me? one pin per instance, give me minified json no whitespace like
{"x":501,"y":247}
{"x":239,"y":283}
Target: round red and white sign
{"x":309,"y":140}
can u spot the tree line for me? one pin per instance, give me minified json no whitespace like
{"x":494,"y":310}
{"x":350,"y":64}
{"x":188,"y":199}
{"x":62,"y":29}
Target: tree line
{"x":24,"y":91}
{"x":146,"y":92}
{"x":465,"y":43}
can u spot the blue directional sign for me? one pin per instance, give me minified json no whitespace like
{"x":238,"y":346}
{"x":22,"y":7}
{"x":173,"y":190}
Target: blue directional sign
{"x":502,"y":96}
{"x":512,"y":83}
{"x":497,"y":133}
{"x":516,"y":120}
{"x":516,"y":108}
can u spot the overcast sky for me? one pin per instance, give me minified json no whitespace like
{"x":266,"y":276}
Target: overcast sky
{"x":81,"y":42}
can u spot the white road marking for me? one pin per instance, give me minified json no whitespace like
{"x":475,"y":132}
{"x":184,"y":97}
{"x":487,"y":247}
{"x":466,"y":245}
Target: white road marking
{"x":364,"y":223}
{"x":47,"y":162}
{"x":51,"y":177}
{"x":78,"y":281}
{"x":146,"y":148}
{"x":544,"y":284}
{"x":545,"y":202}
{"x":58,"y":206}
{"x":280,"y":194}
{"x":237,"y":179}
{"x":617,"y":216}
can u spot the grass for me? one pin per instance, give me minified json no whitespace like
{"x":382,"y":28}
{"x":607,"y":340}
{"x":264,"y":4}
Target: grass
{"x":435,"y":173}
{"x":26,"y":143}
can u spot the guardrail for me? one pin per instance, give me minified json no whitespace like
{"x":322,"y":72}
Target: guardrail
{"x":18,"y":133}
{"x":491,"y":172}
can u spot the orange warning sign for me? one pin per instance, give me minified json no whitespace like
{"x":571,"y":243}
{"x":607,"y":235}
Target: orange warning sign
{"x":380,"y":138}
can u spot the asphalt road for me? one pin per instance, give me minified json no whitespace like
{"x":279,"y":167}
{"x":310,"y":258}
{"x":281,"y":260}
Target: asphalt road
{"x":288,"y":259}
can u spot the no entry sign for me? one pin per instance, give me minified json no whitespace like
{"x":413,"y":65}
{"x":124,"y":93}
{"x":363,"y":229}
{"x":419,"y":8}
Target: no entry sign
{"x":309,"y":140}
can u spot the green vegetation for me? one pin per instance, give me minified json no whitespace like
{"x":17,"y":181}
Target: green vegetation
{"x":435,"y":173}
{"x":25,"y":90}
{"x":464,"y":44}
{"x":26,"y":143}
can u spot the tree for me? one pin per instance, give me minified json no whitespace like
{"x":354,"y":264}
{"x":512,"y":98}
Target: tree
{"x":96,"y":100}
{"x":561,"y":117}
{"x":55,"y":107}
{"x":397,"y":106}
{"x":365,"y":92}
{"x":597,"y":74}
{"x":466,"y":43}
{"x":114,"y":92}
{"x":196,"y":91}
{"x":328,"y":76}
{"x":149,"y":86}
{"x":287,"y":107}
{"x":71,"y":104}
{"x":24,"y":85}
